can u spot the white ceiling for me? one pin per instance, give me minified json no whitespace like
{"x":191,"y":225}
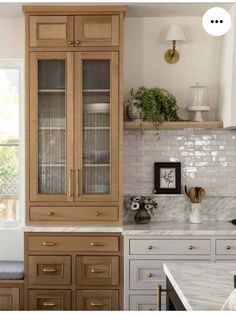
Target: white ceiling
{"x":14,"y":10}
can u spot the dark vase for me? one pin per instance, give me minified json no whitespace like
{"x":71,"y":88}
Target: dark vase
{"x":142,"y":217}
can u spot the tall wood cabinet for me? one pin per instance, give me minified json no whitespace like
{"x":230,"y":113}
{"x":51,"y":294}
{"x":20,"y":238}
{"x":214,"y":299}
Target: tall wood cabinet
{"x":74,"y":114}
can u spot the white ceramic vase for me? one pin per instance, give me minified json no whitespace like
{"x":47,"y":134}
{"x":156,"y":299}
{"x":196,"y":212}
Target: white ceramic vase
{"x":195,"y":214}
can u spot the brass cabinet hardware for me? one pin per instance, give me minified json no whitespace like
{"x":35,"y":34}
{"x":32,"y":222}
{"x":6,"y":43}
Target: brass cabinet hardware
{"x":96,"y":244}
{"x":48,"y":270}
{"x":190,"y":247}
{"x":49,"y":244}
{"x":70,"y":42}
{"x":70,"y":183}
{"x":149,"y":246}
{"x":77,"y":182}
{"x":94,"y":270}
{"x":77,"y":42}
{"x":97,"y":213}
{"x":97,"y":304}
{"x":228,"y":247}
{"x":159,"y":292}
{"x":49,"y":304}
{"x":150,"y":275}
{"x":50,"y":213}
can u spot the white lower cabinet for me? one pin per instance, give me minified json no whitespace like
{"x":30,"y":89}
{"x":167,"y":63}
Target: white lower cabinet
{"x":145,"y":255}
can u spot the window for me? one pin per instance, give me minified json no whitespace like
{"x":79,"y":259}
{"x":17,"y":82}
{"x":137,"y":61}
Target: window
{"x":10,"y":100}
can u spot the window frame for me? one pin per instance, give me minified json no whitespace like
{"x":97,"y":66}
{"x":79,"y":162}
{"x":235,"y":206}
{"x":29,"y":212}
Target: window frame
{"x":19,"y":65}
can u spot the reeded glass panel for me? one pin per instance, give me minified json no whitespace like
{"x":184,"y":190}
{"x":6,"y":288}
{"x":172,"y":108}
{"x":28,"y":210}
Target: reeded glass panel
{"x":96,"y":127}
{"x":51,"y":127}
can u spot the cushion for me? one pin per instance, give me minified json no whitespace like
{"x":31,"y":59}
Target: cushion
{"x":11,"y":270}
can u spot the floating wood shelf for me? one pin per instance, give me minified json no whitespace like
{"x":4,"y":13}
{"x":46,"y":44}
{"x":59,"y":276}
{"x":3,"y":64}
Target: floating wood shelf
{"x":176,"y":125}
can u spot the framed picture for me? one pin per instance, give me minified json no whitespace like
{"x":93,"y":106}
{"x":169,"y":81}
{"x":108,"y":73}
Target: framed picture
{"x":167,"y":177}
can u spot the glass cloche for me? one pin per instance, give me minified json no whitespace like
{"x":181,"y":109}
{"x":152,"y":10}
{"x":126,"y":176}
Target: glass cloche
{"x":198,"y":101}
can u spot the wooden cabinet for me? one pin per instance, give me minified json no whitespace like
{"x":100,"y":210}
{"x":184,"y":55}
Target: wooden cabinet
{"x":74,"y":114}
{"x":11,"y":295}
{"x":73,"y":271}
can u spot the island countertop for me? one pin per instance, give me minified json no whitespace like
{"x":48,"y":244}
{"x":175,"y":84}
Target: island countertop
{"x":201,"y":286}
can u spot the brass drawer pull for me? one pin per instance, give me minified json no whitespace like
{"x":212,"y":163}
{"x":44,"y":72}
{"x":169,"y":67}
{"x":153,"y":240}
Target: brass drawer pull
{"x":97,"y":213}
{"x":228,"y":247}
{"x":150,"y":275}
{"x":97,"y":304}
{"x":50,"y":213}
{"x":159,"y":292}
{"x":70,"y":42}
{"x":71,"y":179}
{"x":190,"y":247}
{"x":96,"y":244}
{"x":49,"y":244}
{"x":48,"y":270}
{"x":97,"y":270}
{"x":49,"y":304}
{"x":150,"y":247}
{"x":77,"y":42}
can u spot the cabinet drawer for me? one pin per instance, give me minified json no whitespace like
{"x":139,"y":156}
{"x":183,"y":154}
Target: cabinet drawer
{"x":144,"y":303}
{"x":97,"y":270}
{"x":146,"y":274}
{"x":226,"y":247}
{"x":170,"y":247}
{"x":49,"y":269}
{"x":45,"y":300}
{"x":97,"y":300}
{"x":50,"y":31}
{"x":73,"y":214}
{"x":9,"y":299}
{"x":49,"y":243}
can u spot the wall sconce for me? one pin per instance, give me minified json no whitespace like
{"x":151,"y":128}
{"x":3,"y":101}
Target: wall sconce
{"x":175,"y":34}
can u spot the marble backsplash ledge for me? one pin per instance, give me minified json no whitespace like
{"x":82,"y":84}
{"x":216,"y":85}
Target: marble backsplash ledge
{"x":176,"y":208}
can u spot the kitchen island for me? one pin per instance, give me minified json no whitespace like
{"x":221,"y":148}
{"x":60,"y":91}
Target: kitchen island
{"x":198,"y":286}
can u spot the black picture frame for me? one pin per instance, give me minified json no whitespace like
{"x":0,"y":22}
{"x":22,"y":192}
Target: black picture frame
{"x":158,"y":166}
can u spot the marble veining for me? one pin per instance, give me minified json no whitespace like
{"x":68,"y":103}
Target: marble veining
{"x":201,"y":286}
{"x":68,"y":229}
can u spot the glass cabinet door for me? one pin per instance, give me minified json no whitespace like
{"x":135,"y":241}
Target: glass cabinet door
{"x":96,"y":126}
{"x":51,"y":127}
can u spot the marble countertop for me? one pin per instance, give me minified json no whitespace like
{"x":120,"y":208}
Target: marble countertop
{"x":180,"y":228}
{"x":68,"y":229}
{"x":201,"y":286}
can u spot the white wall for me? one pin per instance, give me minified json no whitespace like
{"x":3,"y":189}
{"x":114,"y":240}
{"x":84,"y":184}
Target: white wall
{"x":11,"y":47}
{"x":144,"y":63}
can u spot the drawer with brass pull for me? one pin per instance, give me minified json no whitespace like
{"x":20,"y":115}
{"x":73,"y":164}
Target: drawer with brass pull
{"x":170,"y":247}
{"x":49,"y":300}
{"x":97,"y":300}
{"x":73,"y":214}
{"x":97,"y":270}
{"x":51,"y":243}
{"x":226,"y":247}
{"x":49,"y":270}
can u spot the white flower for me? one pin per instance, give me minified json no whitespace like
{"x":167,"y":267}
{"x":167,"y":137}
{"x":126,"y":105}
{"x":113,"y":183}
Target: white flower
{"x":148,"y":207}
{"x":134,"y":206}
{"x":137,"y":199}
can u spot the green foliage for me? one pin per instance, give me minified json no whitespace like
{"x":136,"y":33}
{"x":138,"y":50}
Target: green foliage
{"x":8,"y":163}
{"x":155,"y":105}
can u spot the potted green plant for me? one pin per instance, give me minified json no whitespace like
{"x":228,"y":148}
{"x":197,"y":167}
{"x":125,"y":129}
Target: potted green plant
{"x":152,"y":104}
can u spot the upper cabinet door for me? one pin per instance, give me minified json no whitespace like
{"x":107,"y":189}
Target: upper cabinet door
{"x":51,"y":31}
{"x":96,"y":126}
{"x":51,"y":126}
{"x":97,"y":30}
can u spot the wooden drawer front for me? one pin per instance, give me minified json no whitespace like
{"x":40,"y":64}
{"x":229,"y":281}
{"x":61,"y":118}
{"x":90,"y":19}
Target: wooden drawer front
{"x":45,"y":300}
{"x":73,"y":214}
{"x":170,"y":247}
{"x":226,"y":247}
{"x":49,"y":269}
{"x":97,"y":300}
{"x":97,"y":270}
{"x":145,"y":303}
{"x":146,"y":274}
{"x":97,"y":30}
{"x":9,"y":299}
{"x":49,"y":243}
{"x":49,"y":31}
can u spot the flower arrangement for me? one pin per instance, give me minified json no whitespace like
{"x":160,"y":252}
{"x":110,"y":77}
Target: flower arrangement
{"x":142,"y":206}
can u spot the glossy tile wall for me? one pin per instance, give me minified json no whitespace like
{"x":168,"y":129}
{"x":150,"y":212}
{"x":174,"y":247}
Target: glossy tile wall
{"x":208,"y":159}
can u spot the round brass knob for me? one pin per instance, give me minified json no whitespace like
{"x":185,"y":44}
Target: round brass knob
{"x":77,"y":42}
{"x":70,"y":42}
{"x":190,"y":247}
{"x":98,"y":213}
{"x":149,"y":275}
{"x":50,"y":213}
{"x":150,"y":247}
{"x":228,"y":247}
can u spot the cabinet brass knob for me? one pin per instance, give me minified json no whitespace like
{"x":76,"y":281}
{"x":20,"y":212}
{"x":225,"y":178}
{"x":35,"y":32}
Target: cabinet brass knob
{"x":190,"y":247}
{"x":77,"y":42}
{"x":50,"y":213}
{"x":49,"y":244}
{"x":49,"y":304}
{"x":70,"y":42}
{"x":96,"y":244}
{"x":228,"y":247}
{"x":49,"y":270}
{"x":94,"y":270}
{"x":96,"y":304}
{"x":150,"y":275}
{"x":149,"y":246}
{"x":98,"y":213}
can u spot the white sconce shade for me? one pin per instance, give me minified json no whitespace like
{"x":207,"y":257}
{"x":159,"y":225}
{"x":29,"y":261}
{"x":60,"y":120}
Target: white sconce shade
{"x":175,"y":32}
